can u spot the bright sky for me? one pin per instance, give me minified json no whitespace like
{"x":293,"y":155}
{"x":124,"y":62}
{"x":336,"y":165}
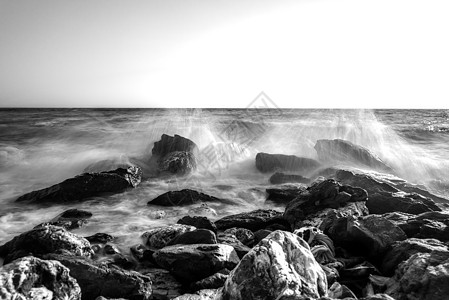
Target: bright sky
{"x":223,"y":53}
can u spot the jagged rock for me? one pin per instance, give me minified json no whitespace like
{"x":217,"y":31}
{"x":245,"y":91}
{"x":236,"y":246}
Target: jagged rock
{"x":277,"y":162}
{"x":177,"y":162}
{"x":87,"y":185}
{"x":279,"y":178}
{"x":198,"y":236}
{"x":168,"y":144}
{"x":284,"y":194}
{"x":190,"y":263}
{"x":280,"y":265}
{"x":198,"y":222}
{"x":253,"y":220}
{"x":408,"y":203}
{"x":423,"y":276}
{"x":344,"y":151}
{"x":33,"y":278}
{"x":243,"y":235}
{"x":43,"y":240}
{"x":231,"y":240}
{"x":159,"y":237}
{"x":182,"y":197}
{"x":208,"y":294}
{"x":110,"y":282}
{"x":69,"y":219}
{"x":164,"y":285}
{"x":212,"y":282}
{"x":100,"y":238}
{"x":403,"y":250}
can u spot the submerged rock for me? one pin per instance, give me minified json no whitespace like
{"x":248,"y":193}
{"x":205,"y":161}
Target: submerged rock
{"x":33,"y":278}
{"x":253,"y":220}
{"x":281,"y":265}
{"x":279,"y":178}
{"x":279,"y":162}
{"x":43,"y":240}
{"x":69,"y":219}
{"x":87,"y":185}
{"x":160,"y":237}
{"x":182,"y":197}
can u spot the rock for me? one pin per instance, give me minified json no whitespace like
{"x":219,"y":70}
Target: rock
{"x":110,"y":282}
{"x":181,"y":198}
{"x":87,"y":185}
{"x":378,"y":297}
{"x":177,"y":162}
{"x":164,"y":285}
{"x":279,"y":178}
{"x":423,"y":276}
{"x":260,"y":235}
{"x":280,"y":265}
{"x":43,"y":240}
{"x":209,"y":294}
{"x":243,"y":235}
{"x":279,"y":162}
{"x":369,"y":236}
{"x":198,"y":222}
{"x":212,"y":282}
{"x":202,"y":210}
{"x":110,"y":249}
{"x":69,"y":219}
{"x":168,"y":144}
{"x":100,"y":238}
{"x":253,"y":220}
{"x":231,"y":240}
{"x":284,"y":194}
{"x":408,"y":203}
{"x":159,"y":237}
{"x":108,"y":165}
{"x":198,"y":236}
{"x":190,"y":263}
{"x":344,"y":151}
{"x":142,"y":254}
{"x":33,"y":278}
{"x":403,"y":250}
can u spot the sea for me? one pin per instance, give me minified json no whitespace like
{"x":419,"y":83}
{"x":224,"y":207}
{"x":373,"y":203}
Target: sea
{"x":42,"y":147}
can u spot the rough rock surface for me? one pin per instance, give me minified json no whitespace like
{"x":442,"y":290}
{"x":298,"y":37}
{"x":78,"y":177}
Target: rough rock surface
{"x":279,"y":178}
{"x":208,"y":294}
{"x":69,"y":219}
{"x":182,"y":197}
{"x":164,"y":285}
{"x":277,"y":162}
{"x":87,"y":185}
{"x":243,"y":235}
{"x":280,"y":265}
{"x":284,"y":194}
{"x":177,"y":162}
{"x":231,"y":240}
{"x":160,"y":237}
{"x":33,"y":278}
{"x":99,"y":238}
{"x":190,"y":263}
{"x":253,"y":220}
{"x":407,"y":203}
{"x":43,"y":240}
{"x":198,"y":222}
{"x":168,"y":144}
{"x":198,"y":236}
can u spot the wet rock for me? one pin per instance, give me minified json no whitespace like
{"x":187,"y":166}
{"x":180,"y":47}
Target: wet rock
{"x":198,"y":236}
{"x":231,"y":240}
{"x":100,"y":238}
{"x":423,"y":276}
{"x":164,"y":285}
{"x":43,"y":240}
{"x":339,"y":291}
{"x":403,"y":250}
{"x":284,"y":194}
{"x":279,"y":162}
{"x":338,"y":150}
{"x":142,"y":254}
{"x":168,"y":144}
{"x":198,"y":222}
{"x":110,"y":249}
{"x":177,"y":162}
{"x":378,"y":297}
{"x":212,"y":282}
{"x":202,"y":210}
{"x":159,"y":237}
{"x":280,"y":265}
{"x":69,"y":219}
{"x":243,"y":235}
{"x":111,"y":282}
{"x":190,"y":263}
{"x":33,"y":278}
{"x":279,"y":178}
{"x":87,"y":185}
{"x":408,"y":203}
{"x":260,"y":235}
{"x":253,"y":220}
{"x":209,"y":294}
{"x":181,"y":198}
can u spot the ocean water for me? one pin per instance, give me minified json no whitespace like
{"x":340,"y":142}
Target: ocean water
{"x":41,"y":147}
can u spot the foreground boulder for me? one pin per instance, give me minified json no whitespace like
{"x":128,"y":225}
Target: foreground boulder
{"x":44,"y":240}
{"x":100,"y":280}
{"x":69,"y":219}
{"x":190,"y":263}
{"x":33,"y":278}
{"x":160,"y":237}
{"x":281,"y":265}
{"x":253,"y":220}
{"x":280,"y":162}
{"x":87,"y":185}
{"x":407,"y":203}
{"x":279,"y":178}
{"x":181,"y":198}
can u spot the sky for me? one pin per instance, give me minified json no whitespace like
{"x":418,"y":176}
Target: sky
{"x":224,"y":53}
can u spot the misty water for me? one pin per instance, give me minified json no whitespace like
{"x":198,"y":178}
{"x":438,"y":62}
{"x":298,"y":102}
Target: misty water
{"x":42,"y":147}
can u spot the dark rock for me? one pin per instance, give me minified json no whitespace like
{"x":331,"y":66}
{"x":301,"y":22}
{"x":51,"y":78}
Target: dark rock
{"x":278,"y":162}
{"x":243,"y":235}
{"x":212,"y":282}
{"x":111,"y":282}
{"x":164,"y":285}
{"x":280,"y":265}
{"x":110,"y":249}
{"x":409,"y":203}
{"x":403,"y":250}
{"x":284,"y":194}
{"x":253,"y":220}
{"x":43,"y":240}
{"x":168,"y":144}
{"x":377,"y":297}
{"x":190,"y":263}
{"x":177,"y":162}
{"x":198,"y":236}
{"x":232,"y":240}
{"x":279,"y":178}
{"x":33,"y":278}
{"x":142,"y":254}
{"x":87,"y":185}
{"x":344,"y":151}
{"x":261,"y":234}
{"x":159,"y":237}
{"x":69,"y":219}
{"x":100,"y":238}
{"x":181,"y":198}
{"x":198,"y":222}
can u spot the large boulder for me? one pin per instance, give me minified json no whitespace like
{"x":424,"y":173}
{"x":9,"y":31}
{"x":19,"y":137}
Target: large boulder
{"x":43,"y":240}
{"x":280,"y":162}
{"x":281,"y":265}
{"x":198,"y":222}
{"x":198,"y":236}
{"x":159,"y":237}
{"x":99,"y":280}
{"x":190,"y":263}
{"x":168,"y":144}
{"x":399,"y":202}
{"x":33,"y":278}
{"x":338,"y":150}
{"x":253,"y":220}
{"x":87,"y":185}
{"x":181,"y":198}
{"x":177,"y":162}
{"x":279,"y":178}
{"x":70,"y":219}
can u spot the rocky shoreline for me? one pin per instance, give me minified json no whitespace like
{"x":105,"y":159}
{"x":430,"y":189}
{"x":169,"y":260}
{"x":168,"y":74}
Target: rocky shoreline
{"x":343,"y":234}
